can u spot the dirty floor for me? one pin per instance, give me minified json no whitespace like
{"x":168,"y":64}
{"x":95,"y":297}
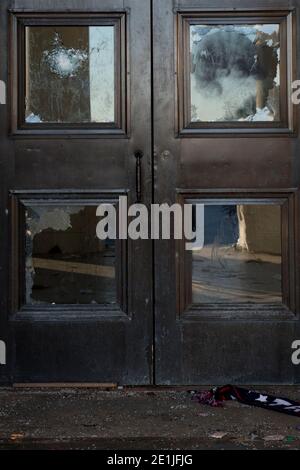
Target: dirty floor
{"x":139,"y":419}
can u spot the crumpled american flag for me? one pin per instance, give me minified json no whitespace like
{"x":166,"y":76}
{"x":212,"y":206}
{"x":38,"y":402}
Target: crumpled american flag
{"x":216,"y":396}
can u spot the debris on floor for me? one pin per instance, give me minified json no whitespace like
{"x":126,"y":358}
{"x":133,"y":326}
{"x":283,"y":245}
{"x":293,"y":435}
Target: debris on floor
{"x":274,"y":438}
{"x":216,"y":396}
{"x":138,"y":418}
{"x":218,"y":435}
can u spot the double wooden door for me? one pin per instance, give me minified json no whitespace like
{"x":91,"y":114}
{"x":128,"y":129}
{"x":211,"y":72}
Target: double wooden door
{"x":162,"y":101}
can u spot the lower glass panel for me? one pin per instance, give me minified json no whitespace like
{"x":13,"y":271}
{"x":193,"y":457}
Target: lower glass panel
{"x":240,"y":260}
{"x":65,"y":261}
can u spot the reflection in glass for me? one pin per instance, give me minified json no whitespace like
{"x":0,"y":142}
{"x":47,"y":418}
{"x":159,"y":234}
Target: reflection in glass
{"x":240,"y":260}
{"x":69,"y":74}
{"x":235,"y":73}
{"x":65,"y":262}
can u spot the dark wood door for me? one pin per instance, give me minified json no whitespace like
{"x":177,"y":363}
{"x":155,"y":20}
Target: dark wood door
{"x":226,"y":138}
{"x":74,"y":308}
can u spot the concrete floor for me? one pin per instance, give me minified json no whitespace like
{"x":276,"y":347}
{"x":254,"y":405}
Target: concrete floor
{"x":139,"y":419}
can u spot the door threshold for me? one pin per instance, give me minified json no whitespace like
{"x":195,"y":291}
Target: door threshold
{"x":105,"y":386}
{"x":100,"y":386}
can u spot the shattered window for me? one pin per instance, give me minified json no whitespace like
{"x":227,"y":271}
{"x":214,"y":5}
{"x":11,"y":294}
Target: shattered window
{"x":70,"y":74}
{"x":65,"y":262}
{"x":240,"y":258}
{"x":235,"y":73}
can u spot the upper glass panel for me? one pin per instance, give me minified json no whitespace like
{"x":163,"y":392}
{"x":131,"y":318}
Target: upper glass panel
{"x":235,"y":73}
{"x":70,"y":74}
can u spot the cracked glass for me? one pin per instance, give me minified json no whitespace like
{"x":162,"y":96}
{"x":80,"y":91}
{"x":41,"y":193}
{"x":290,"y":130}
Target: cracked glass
{"x":235,"y":73}
{"x":69,"y":74}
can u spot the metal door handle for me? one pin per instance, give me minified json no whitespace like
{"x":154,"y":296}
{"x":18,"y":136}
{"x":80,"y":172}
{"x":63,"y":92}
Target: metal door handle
{"x":138,"y":155}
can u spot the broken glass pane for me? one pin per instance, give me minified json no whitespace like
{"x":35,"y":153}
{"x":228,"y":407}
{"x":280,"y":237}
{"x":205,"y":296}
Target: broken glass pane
{"x":65,"y":262}
{"x":70,"y":74}
{"x":240,"y":260}
{"x":235,"y":73}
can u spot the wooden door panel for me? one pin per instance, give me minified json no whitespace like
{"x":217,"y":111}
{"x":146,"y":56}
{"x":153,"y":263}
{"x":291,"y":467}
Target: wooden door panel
{"x":68,"y":165}
{"x":213,"y":163}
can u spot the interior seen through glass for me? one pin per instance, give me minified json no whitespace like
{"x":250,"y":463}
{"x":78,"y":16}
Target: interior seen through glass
{"x":239,"y":259}
{"x":235,"y":73}
{"x":65,"y":262}
{"x":70,"y":74}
